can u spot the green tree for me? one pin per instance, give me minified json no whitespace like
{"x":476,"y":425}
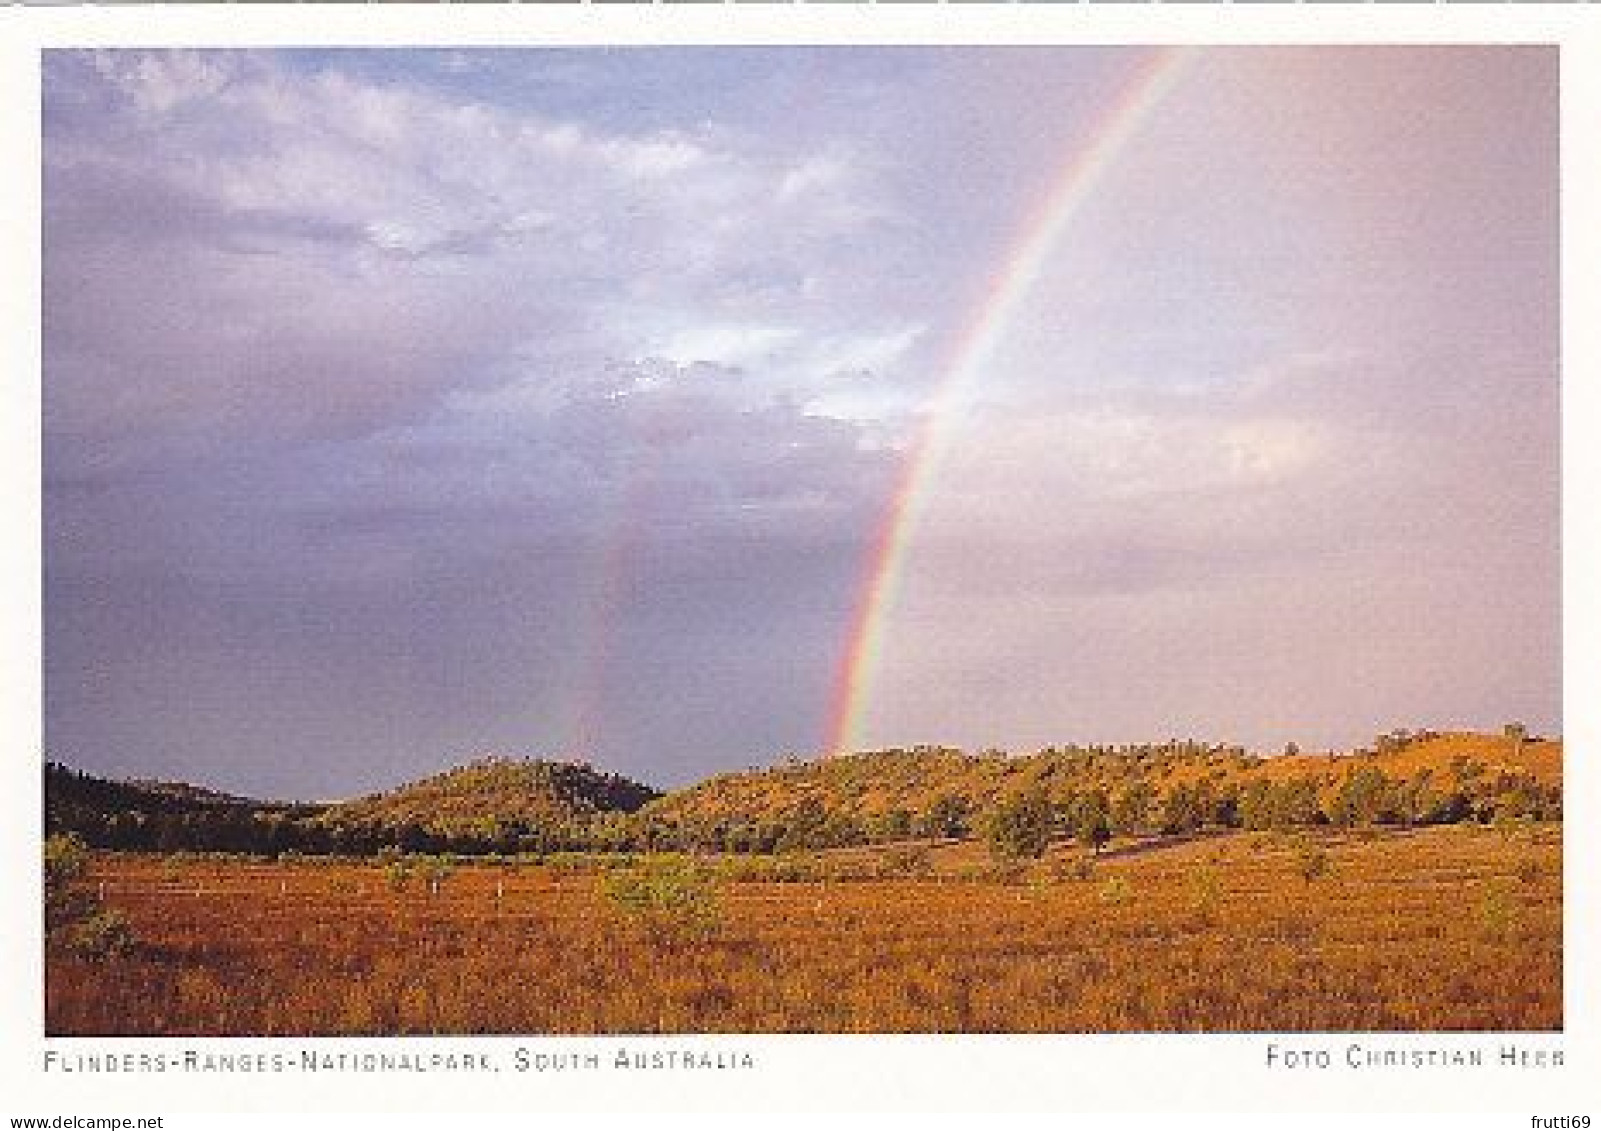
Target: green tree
{"x":1092,"y":822}
{"x":1020,"y":826}
{"x":1131,"y":810}
{"x":1364,"y":798}
{"x":1294,"y":803}
{"x":948,"y":816}
{"x":896,"y":824}
{"x":807,"y":825}
{"x":1256,"y":805}
{"x":1181,"y":811}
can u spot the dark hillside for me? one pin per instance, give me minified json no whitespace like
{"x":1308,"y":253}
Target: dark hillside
{"x":164,"y":816}
{"x":494,"y":805}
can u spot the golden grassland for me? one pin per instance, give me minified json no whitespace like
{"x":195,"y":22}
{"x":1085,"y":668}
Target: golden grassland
{"x":1439,"y":928}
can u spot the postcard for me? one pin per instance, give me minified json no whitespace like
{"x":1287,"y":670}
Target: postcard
{"x":799,"y":558}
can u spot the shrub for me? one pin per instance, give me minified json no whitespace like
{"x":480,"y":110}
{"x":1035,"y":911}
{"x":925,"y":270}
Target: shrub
{"x":1204,"y":891}
{"x":102,"y":935}
{"x":1509,"y":822}
{"x":1117,"y":891}
{"x":398,"y":874}
{"x":1008,"y":873}
{"x":65,"y":859}
{"x":1495,"y":910}
{"x":1312,"y":862}
{"x":438,"y":869}
{"x":790,"y":870}
{"x":74,"y":918}
{"x":1078,"y":868}
{"x":673,"y":901}
{"x":908,"y":860}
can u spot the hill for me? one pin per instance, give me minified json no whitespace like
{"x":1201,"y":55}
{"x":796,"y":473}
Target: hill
{"x":65,"y":787}
{"x":531,"y":806}
{"x":1404,"y":777}
{"x":496,"y":797}
{"x":159,"y":815}
{"x":489,"y":805}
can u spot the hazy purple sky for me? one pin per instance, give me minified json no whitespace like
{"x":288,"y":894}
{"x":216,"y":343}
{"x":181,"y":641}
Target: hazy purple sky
{"x":403,"y":406}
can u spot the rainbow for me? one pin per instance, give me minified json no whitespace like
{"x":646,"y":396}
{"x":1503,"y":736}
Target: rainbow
{"x":1089,"y":162}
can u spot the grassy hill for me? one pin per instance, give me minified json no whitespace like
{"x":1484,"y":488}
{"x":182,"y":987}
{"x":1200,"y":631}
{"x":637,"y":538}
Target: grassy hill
{"x":1171,"y":787}
{"x":492,"y":804}
{"x":495,"y":794}
{"x":506,"y":805}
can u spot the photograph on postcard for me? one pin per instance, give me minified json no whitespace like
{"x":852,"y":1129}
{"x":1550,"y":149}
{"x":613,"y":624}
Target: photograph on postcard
{"x":834,"y":539}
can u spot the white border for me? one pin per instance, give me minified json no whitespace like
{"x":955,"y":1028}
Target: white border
{"x":1149,"y":1074}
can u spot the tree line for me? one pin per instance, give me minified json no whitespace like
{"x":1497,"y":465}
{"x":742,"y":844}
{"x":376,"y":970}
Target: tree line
{"x":1019,"y":807}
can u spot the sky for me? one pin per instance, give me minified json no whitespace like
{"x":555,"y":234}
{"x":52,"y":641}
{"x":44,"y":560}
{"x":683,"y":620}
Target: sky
{"x":403,"y":407}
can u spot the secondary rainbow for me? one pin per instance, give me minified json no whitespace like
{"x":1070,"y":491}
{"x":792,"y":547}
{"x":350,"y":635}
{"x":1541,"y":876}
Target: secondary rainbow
{"x":1089,"y":161}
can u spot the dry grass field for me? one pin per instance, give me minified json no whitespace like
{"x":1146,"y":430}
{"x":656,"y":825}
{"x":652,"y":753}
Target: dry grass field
{"x":1440,"y":928}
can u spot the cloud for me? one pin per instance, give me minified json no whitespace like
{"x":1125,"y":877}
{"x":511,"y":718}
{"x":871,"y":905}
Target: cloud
{"x":1299,"y":553}
{"x":402,"y":405}
{"x":154,"y":84}
{"x":441,"y":232}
